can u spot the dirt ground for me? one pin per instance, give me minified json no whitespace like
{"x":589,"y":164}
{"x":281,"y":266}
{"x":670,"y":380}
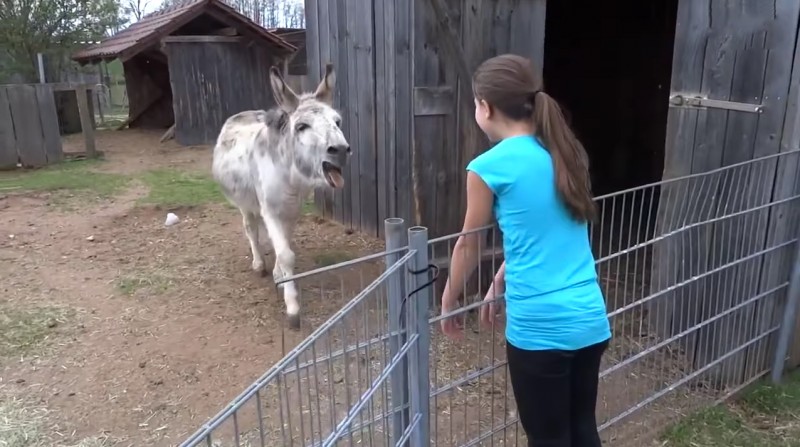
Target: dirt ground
{"x":147,"y":330}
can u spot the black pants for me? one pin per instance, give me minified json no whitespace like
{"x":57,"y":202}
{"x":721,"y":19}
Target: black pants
{"x":556,"y":394}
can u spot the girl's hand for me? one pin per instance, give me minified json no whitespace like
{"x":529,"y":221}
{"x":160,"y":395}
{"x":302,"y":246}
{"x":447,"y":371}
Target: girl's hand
{"x":491,"y":313}
{"x":451,"y":326}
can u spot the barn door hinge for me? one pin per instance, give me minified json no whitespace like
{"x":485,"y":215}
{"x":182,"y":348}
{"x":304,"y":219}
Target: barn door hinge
{"x":703,"y":103}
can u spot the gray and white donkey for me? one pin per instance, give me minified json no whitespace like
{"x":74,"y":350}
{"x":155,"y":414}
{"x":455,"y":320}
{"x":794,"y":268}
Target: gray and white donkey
{"x":267,"y":163}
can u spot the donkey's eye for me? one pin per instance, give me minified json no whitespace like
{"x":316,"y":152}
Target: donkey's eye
{"x":301,"y":127}
{"x":338,"y":122}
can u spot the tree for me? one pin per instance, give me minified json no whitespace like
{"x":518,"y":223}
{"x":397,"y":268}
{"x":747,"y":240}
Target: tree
{"x":136,"y":9}
{"x":54,"y":27}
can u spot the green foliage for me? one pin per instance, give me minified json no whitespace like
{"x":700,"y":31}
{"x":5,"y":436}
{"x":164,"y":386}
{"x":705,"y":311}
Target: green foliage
{"x":56,"y":28}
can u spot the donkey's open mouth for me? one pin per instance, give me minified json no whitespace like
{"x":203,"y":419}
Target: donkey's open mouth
{"x":333,"y":174}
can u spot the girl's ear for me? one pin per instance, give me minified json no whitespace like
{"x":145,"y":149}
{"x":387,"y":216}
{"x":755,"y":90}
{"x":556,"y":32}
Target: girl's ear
{"x":485,"y":109}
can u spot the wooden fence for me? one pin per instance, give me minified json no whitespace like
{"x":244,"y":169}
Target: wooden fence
{"x":29,"y":133}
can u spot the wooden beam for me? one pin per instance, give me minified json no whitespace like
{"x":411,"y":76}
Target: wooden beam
{"x":134,"y":117}
{"x":203,"y":39}
{"x":227,"y":31}
{"x":87,"y":125}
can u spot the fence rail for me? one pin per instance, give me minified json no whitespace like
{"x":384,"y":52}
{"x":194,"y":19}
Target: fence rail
{"x":697,"y":273}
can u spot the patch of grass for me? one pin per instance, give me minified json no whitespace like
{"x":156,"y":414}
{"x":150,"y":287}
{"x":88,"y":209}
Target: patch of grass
{"x":173,"y":188}
{"x":331,"y":258}
{"x":153,"y":283}
{"x":24,"y":424}
{"x":22,"y":331}
{"x":70,"y":175}
{"x":765,"y":416}
{"x":21,"y":425}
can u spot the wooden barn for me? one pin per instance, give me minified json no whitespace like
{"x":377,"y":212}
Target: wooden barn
{"x":192,"y":65}
{"x":655,"y":90}
{"x":403,"y":82}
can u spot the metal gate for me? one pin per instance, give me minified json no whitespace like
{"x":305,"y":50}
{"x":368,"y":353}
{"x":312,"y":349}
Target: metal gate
{"x":358,"y":377}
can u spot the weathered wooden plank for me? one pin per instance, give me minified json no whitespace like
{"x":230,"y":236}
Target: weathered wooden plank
{"x":365,"y":80}
{"x":436,"y":100}
{"x":352,"y":194}
{"x":775,"y":134}
{"x":709,"y":141}
{"x":49,"y":117}
{"x":687,"y":74}
{"x":428,"y":130}
{"x":527,"y":29}
{"x":8,"y":143}
{"x":731,"y":239}
{"x":327,"y":20}
{"x":403,"y":118}
{"x":390,"y":70}
{"x":784,"y":219}
{"x":27,"y":126}
{"x":381,"y":161}
{"x":313,"y":63}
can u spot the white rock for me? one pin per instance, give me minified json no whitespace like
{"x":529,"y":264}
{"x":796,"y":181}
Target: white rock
{"x":90,"y":238}
{"x":172,"y":219}
{"x":11,"y":236}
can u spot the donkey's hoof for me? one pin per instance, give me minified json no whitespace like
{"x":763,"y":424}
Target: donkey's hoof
{"x":294,"y":321}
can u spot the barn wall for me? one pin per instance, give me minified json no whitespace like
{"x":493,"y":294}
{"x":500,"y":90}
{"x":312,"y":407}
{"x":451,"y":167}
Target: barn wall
{"x":397,"y":90}
{"x":206,"y":90}
{"x":740,"y":52}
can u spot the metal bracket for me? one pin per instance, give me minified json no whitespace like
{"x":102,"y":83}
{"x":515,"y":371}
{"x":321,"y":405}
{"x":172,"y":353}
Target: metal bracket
{"x":701,"y":102}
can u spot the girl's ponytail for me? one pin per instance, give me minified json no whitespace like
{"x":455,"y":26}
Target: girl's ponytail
{"x":570,"y":161}
{"x":510,"y":84}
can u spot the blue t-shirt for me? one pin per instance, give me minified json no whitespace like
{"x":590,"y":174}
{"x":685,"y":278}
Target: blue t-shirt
{"x":553,"y":299}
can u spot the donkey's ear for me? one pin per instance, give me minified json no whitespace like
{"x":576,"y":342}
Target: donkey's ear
{"x":283,"y":94}
{"x":324,"y":91}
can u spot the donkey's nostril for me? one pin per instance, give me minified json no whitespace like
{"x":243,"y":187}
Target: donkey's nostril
{"x":336,"y":150}
{"x":348,"y":150}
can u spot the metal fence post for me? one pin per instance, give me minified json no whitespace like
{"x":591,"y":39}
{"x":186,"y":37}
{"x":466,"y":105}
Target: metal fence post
{"x":789,"y":319}
{"x":418,"y":309}
{"x":399,"y":404}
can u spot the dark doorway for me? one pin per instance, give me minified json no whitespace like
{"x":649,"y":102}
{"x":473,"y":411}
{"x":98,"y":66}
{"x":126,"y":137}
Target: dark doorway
{"x":609,"y":64}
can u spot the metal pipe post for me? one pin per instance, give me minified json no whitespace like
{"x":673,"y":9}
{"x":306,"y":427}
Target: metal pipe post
{"x":418,"y":308}
{"x":395,"y":235}
{"x":789,"y":319}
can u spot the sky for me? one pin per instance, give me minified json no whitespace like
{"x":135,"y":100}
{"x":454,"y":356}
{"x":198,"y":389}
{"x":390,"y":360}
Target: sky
{"x":153,"y":5}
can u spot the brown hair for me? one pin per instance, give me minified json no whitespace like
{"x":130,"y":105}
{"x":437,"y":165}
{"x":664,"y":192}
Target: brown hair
{"x":510,"y":84}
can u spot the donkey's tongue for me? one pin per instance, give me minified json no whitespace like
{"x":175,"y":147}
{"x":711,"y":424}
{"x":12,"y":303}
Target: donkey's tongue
{"x":336,"y":178}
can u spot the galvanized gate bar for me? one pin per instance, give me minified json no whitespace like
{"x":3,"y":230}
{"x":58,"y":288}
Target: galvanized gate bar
{"x":395,"y":239}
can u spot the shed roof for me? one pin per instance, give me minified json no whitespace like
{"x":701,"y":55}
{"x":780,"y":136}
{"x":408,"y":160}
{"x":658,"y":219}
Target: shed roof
{"x":296,"y":37}
{"x":152,"y":27}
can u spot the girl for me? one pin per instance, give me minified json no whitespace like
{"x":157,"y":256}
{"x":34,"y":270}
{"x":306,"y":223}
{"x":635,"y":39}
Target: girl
{"x":536,"y":181}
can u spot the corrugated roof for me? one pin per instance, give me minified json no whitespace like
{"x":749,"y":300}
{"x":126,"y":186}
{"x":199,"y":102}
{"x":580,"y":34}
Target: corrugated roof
{"x":152,"y":27}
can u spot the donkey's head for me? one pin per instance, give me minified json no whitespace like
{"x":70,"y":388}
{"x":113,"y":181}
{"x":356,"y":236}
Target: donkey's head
{"x":314,"y":136}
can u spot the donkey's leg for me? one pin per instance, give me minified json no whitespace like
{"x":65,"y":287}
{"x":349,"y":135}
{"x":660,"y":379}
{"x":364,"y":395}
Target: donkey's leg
{"x":284,"y":263}
{"x":251,"y":224}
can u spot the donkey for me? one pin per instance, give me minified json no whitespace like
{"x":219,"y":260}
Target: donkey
{"x":267,"y":163}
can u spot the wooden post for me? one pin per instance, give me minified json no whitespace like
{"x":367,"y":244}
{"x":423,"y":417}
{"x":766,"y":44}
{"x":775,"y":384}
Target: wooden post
{"x":86,"y":121}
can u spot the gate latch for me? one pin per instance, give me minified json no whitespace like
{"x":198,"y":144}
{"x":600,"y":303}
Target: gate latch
{"x":703,"y":103}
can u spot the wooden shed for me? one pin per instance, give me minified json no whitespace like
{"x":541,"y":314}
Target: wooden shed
{"x":193,"y":65}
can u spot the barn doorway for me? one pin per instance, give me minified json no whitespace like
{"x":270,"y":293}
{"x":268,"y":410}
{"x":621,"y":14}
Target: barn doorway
{"x":609,"y":64}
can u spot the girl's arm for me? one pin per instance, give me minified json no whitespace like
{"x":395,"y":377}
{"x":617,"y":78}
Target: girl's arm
{"x":467,"y":249}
